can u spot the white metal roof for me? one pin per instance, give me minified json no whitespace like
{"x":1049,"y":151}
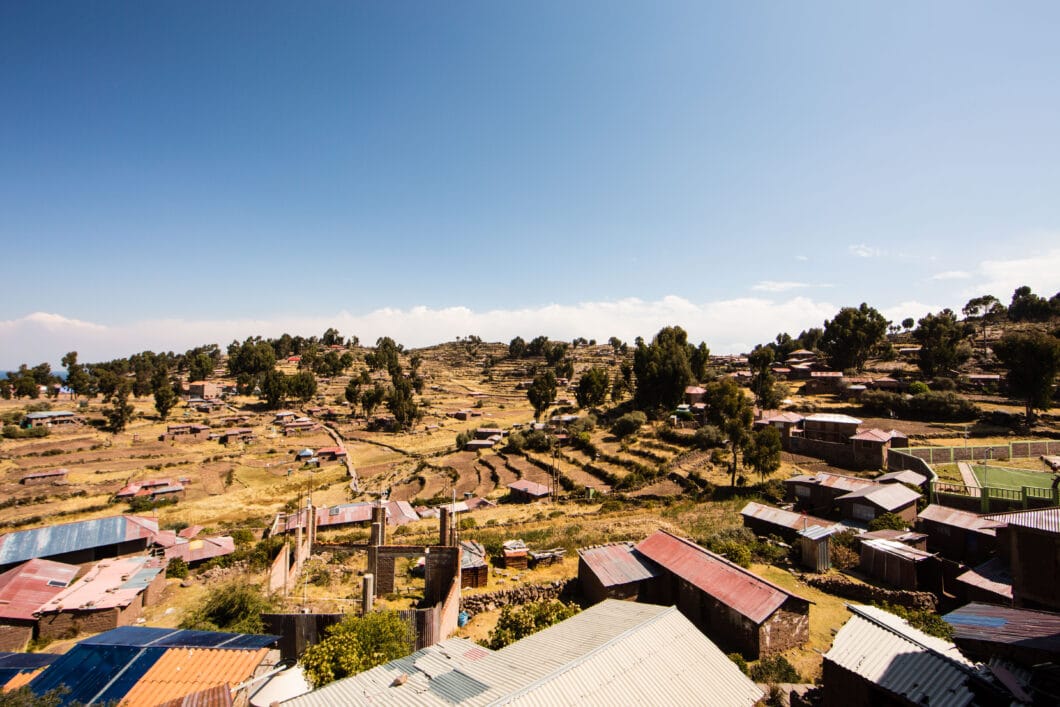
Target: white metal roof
{"x":887,"y":651}
{"x":613,"y":653}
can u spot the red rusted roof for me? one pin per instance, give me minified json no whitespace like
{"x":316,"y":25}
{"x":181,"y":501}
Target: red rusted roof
{"x":778,"y":516}
{"x":1047,"y":519}
{"x":46,"y":474}
{"x":741,"y":590}
{"x":196,"y":549}
{"x":836,"y":481}
{"x":959,"y":519}
{"x":24,"y":589}
{"x":618,"y":563}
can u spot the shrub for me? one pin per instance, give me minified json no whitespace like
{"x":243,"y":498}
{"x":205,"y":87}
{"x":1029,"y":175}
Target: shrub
{"x":356,"y":644}
{"x":918,"y":388}
{"x":518,"y":622}
{"x":177,"y":568}
{"x":888,"y":521}
{"x":740,"y":662}
{"x":708,"y":437}
{"x":844,"y":558}
{"x":931,"y":405}
{"x":236,"y":606}
{"x":775,"y":669}
{"x":927,"y":621}
{"x":629,"y":423}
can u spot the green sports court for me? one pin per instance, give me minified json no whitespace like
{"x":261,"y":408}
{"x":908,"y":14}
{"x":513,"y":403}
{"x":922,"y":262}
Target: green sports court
{"x":1015,"y":479}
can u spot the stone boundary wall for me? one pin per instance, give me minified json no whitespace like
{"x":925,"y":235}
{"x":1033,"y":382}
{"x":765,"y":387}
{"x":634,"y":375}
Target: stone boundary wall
{"x":866,"y":593}
{"x":477,"y":603}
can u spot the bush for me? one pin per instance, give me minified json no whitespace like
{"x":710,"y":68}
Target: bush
{"x":918,"y":388}
{"x":177,"y":568}
{"x":844,"y":558}
{"x":236,"y":606}
{"x":740,"y":662}
{"x":931,"y":405}
{"x":518,"y":622}
{"x":708,"y":437}
{"x":356,"y":644}
{"x":775,"y":669}
{"x":629,"y":423}
{"x":927,"y":621}
{"x":888,"y":521}
{"x":16,"y":432}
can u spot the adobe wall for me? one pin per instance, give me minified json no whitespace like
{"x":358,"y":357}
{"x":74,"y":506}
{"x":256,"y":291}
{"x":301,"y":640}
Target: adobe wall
{"x":66,"y":624}
{"x":788,"y":627}
{"x":15,"y":638}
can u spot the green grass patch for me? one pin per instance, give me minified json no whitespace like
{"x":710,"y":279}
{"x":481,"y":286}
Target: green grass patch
{"x":1015,"y":479}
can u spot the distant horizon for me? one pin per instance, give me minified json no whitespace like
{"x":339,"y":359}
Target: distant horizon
{"x":198,"y":172}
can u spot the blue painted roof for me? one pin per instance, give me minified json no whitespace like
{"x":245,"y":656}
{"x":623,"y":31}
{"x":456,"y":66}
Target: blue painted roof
{"x":178,"y":638}
{"x":104,"y":668}
{"x":11,"y":664}
{"x":142,"y":578}
{"x":69,"y":537}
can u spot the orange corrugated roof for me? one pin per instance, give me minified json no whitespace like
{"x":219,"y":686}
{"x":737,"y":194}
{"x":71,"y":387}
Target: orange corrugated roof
{"x":182,"y":671}
{"x":21,"y":680}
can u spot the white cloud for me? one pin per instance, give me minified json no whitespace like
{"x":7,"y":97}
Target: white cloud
{"x":727,"y":326}
{"x":801,"y":258}
{"x":1000,"y":278}
{"x":952,"y":275}
{"x":865,"y":251}
{"x":782,"y":286}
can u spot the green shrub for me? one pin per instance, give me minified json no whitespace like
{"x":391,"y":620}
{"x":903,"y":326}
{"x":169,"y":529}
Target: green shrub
{"x":236,"y":606}
{"x":518,"y":622}
{"x":888,"y":521}
{"x":918,"y":388}
{"x":708,"y":437}
{"x":629,"y":423}
{"x":356,"y":644}
{"x":740,"y":662}
{"x":177,"y":568}
{"x":927,"y":621}
{"x":775,"y":669}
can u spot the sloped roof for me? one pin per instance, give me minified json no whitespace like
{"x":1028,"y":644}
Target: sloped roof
{"x":529,"y":487}
{"x":216,"y":696}
{"x":24,"y":589}
{"x":893,"y":547}
{"x":905,"y":476}
{"x":70,"y":537}
{"x":741,"y":590}
{"x":616,"y":564}
{"x":889,"y":497}
{"x":17,"y":669}
{"x":877,"y":435}
{"x":107,"y":584}
{"x":884,"y":649}
{"x":829,"y":480}
{"x":613,"y":653}
{"x":781,"y":517}
{"x":182,"y":671}
{"x":993,"y":576}
{"x":945,"y":515}
{"x":1039,"y":630}
{"x":1047,"y":519}
{"x":833,"y":417}
{"x":198,"y":549}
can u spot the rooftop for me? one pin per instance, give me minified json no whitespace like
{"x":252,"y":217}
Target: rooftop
{"x":834,"y":418}
{"x":889,"y":497}
{"x":960,"y":519}
{"x":107,"y":584}
{"x":737,"y":588}
{"x":64,"y":538}
{"x":182,"y":671}
{"x":778,"y":516}
{"x":1006,"y":625}
{"x":835,"y":481}
{"x":616,"y":564}
{"x":529,"y":487}
{"x":24,"y":589}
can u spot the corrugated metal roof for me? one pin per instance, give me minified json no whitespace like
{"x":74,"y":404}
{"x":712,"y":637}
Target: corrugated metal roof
{"x":876,"y":435}
{"x":835,"y":481}
{"x":959,"y":519}
{"x":178,"y":638}
{"x":181,"y":671}
{"x":24,"y":589}
{"x":216,"y":696}
{"x":900,"y":536}
{"x":786,"y":519}
{"x":613,"y":653}
{"x":529,"y":487}
{"x":46,"y":474}
{"x":472,"y":554}
{"x":1047,"y":519}
{"x":889,"y":497}
{"x":816,"y":532}
{"x":737,"y":588}
{"x":885,"y":650}
{"x":106,"y":584}
{"x":26,"y":661}
{"x":904,"y":476}
{"x":617,"y":564}
{"x":833,"y":417}
{"x":1039,"y":630}
{"x":898,"y":549}
{"x":197,"y":549}
{"x":69,"y":537}
{"x":993,"y":576}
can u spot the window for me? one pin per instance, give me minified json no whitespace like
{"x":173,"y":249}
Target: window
{"x":863,"y":512}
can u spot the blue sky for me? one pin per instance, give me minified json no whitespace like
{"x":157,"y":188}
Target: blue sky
{"x":176,"y":173}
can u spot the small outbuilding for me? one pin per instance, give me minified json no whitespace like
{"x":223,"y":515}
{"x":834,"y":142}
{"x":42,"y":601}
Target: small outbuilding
{"x":527,"y":491}
{"x":901,"y":566}
{"x":474,"y":570}
{"x":616,"y":571}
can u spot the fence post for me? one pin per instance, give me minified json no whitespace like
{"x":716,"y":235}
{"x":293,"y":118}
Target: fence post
{"x":367,"y":594}
{"x":984,"y":499}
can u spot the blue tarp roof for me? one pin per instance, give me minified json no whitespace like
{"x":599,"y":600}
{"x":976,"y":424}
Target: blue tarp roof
{"x":105,"y":667}
{"x":60,"y":539}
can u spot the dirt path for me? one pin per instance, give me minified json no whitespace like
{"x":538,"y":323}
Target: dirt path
{"x":340,"y":441}
{"x":968,"y":476}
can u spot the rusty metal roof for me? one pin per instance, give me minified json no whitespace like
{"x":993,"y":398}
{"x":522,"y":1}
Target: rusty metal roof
{"x":46,"y":474}
{"x":529,"y":487}
{"x":24,"y":589}
{"x":993,"y":576}
{"x":889,"y":497}
{"x":1001,"y":624}
{"x":70,"y":537}
{"x":829,"y":480}
{"x":906,"y":476}
{"x":737,"y":588}
{"x":893,"y":547}
{"x":960,"y":519}
{"x":182,"y":671}
{"x":1047,"y":519}
{"x":107,"y":584}
{"x":616,"y":564}
{"x":786,"y":519}
{"x":197,"y":549}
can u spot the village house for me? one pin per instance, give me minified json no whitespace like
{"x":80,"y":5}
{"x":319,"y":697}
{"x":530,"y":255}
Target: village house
{"x":910,"y":478}
{"x":206,"y":390}
{"x":610,"y":654}
{"x":901,"y":566}
{"x":474,"y":570}
{"x":525,"y":491}
{"x":958,"y":535}
{"x":137,"y":666}
{"x":695,"y":394}
{"x":866,"y":503}
{"x":1029,"y":543}
{"x":986,"y":632}
{"x":23,"y":590}
{"x":284,"y":416}
{"x":299,"y":425}
{"x":877,"y":658}
{"x":52,"y":476}
{"x":192,"y":549}
{"x":330,"y":454}
{"x":111,"y":593}
{"x":237,"y":434}
{"x":152,"y":488}
{"x":830,"y":427}
{"x":52,"y":419}
{"x":185,"y":432}
{"x":870,"y":446}
{"x":79,"y":542}
{"x":784,"y":422}
{"x":767,"y":520}
{"x":989,"y":582}
{"x":616,"y":571}
{"x":733,"y":607}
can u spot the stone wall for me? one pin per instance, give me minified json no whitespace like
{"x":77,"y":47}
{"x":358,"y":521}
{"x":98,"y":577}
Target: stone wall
{"x":866,"y":593}
{"x":559,"y":589}
{"x":67,"y":624}
{"x":15,"y":638}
